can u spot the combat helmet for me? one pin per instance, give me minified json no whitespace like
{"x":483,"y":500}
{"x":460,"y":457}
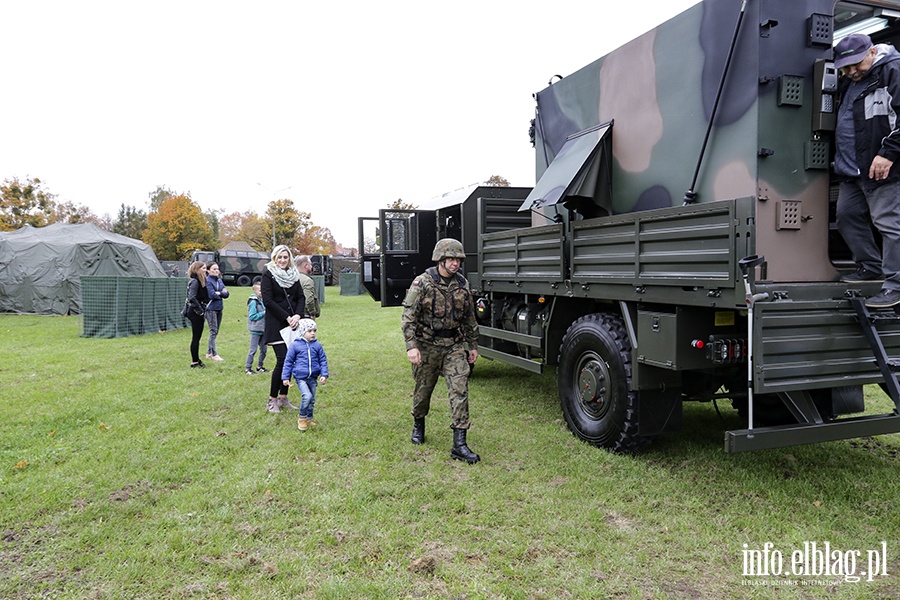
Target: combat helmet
{"x":448,"y":248}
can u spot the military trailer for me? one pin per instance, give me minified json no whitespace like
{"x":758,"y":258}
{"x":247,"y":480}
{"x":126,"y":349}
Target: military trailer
{"x":680,"y":242}
{"x":241,"y":267}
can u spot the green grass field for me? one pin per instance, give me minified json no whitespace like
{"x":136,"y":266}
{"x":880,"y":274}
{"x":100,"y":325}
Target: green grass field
{"x":125,"y":474}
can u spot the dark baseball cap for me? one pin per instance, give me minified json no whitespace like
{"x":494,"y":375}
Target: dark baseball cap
{"x":851,"y":49}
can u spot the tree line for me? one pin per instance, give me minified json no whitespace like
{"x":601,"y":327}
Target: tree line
{"x":174,"y":226}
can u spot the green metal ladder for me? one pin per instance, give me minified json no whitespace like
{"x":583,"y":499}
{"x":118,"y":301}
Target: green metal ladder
{"x":887,"y":365}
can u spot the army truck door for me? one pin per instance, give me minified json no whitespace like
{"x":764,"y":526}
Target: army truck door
{"x":407,"y":238}
{"x":370,"y":256}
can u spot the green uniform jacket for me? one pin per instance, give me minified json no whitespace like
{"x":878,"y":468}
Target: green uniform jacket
{"x":439,"y":313}
{"x":312,"y":300}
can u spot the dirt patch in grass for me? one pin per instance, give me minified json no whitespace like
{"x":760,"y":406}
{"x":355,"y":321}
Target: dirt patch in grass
{"x":619,"y":522}
{"x":877,"y":448}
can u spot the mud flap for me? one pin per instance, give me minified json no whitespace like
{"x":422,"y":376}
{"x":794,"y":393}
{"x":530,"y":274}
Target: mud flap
{"x":659,"y":412}
{"x":847,"y":400}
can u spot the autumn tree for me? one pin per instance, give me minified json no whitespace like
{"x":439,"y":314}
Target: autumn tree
{"x":315,"y":240}
{"x":25,"y":203}
{"x":69,"y":212}
{"x":287,"y":221}
{"x":177,"y":228}
{"x":130,"y":222}
{"x":245,"y":227}
{"x":212,"y":217}
{"x":158,"y":196}
{"x":497,"y":181}
{"x":255,"y":231}
{"x":230,"y":228}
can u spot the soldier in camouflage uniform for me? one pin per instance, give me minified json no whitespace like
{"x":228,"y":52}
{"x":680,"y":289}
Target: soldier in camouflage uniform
{"x":442,"y":339}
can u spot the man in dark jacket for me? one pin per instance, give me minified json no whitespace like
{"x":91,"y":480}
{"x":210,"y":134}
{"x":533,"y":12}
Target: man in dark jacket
{"x":867,"y":139}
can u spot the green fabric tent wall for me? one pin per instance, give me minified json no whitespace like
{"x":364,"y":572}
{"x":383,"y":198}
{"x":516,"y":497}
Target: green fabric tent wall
{"x":41,"y":267}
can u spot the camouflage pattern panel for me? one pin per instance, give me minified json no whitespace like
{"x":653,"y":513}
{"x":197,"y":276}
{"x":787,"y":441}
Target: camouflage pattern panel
{"x":793,"y":173}
{"x":409,"y":318}
{"x":233,"y":267}
{"x":439,"y":313}
{"x":259,"y":265}
{"x":660,"y":90}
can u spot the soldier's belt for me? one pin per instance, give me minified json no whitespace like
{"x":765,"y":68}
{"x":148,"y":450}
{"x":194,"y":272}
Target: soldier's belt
{"x":445,"y":333}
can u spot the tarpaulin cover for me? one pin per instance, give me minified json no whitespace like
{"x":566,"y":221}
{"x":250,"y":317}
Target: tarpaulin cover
{"x":577,"y":172}
{"x":41,"y":267}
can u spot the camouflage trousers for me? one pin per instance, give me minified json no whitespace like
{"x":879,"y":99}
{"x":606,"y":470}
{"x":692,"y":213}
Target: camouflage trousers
{"x":449,"y":361}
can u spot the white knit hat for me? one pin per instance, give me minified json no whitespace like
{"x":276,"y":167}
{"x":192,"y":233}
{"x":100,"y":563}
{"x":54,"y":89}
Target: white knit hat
{"x":306,"y":325}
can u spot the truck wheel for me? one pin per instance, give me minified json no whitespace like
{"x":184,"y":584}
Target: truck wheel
{"x":594,"y":380}
{"x":243,"y":280}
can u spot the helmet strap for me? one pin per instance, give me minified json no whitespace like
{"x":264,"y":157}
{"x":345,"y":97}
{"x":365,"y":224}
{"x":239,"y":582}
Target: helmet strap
{"x":442,"y":269}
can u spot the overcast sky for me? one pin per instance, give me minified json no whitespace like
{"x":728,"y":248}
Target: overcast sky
{"x":350,"y":104}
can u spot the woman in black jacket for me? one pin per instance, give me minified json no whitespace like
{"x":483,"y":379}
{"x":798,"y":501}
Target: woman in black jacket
{"x":285,"y":304}
{"x":197,"y":299}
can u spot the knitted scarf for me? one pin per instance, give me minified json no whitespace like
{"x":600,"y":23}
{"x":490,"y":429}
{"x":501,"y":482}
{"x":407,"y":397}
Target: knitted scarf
{"x":285,"y":277}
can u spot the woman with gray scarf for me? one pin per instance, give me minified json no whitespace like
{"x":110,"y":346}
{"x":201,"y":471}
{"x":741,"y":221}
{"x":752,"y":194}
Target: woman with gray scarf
{"x":285,"y":305}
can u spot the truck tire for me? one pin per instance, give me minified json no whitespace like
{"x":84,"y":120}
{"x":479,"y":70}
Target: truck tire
{"x":244,"y":280}
{"x":594,"y":380}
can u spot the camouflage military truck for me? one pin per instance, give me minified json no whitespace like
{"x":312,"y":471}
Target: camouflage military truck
{"x":681,"y":242}
{"x":243,"y":266}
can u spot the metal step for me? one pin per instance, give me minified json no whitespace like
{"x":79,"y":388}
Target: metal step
{"x":887,"y":365}
{"x":782,"y":436}
{"x":884,"y":316}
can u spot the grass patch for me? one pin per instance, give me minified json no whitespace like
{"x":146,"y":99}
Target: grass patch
{"x":125,"y":474}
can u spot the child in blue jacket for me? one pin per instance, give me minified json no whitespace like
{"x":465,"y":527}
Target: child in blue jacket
{"x":256,"y":323}
{"x":307,"y":363}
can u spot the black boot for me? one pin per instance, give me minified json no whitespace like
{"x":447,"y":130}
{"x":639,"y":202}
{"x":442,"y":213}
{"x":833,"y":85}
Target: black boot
{"x":460,"y":451}
{"x":418,"y":434}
